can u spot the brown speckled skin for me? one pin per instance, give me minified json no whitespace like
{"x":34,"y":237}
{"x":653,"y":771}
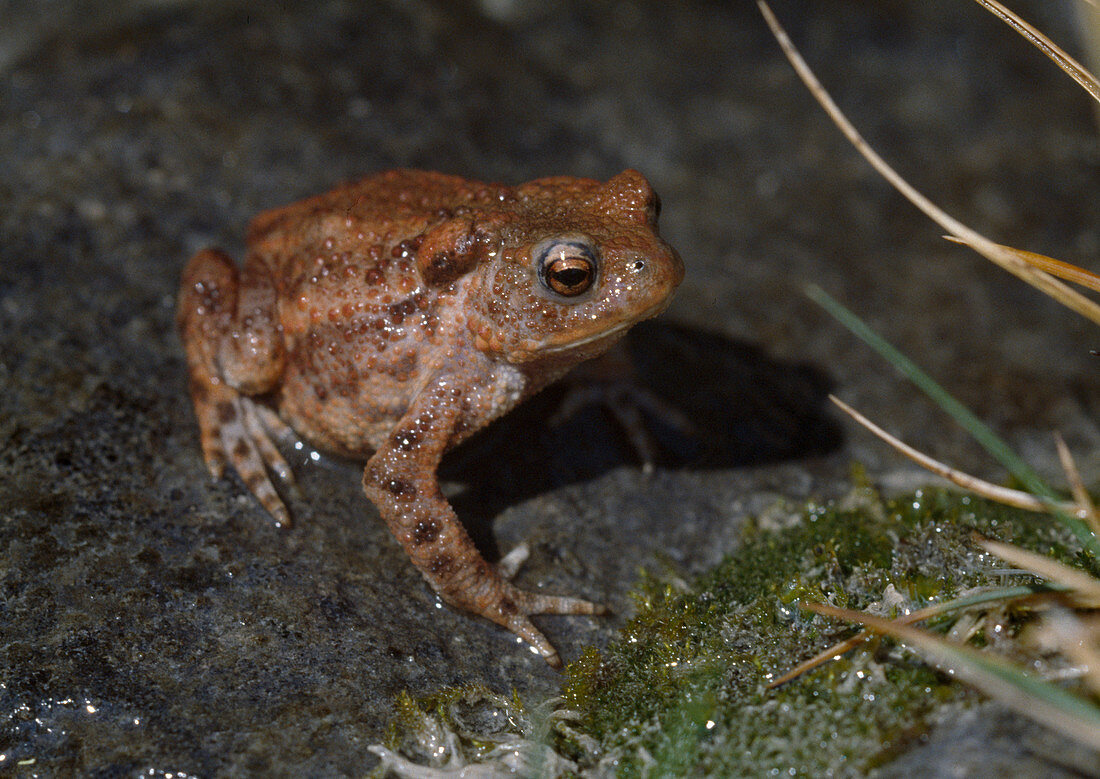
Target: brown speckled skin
{"x":391,"y":318}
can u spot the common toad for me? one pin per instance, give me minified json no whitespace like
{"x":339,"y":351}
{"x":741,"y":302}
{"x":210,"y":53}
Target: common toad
{"x":391,"y":318}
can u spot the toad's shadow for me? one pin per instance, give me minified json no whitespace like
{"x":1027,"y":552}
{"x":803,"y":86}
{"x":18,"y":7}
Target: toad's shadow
{"x":745,"y":408}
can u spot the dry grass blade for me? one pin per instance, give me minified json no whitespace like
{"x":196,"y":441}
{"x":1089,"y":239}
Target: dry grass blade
{"x":1034,"y":698}
{"x":1077,"y":486}
{"x":822,"y":657}
{"x":851,"y":643}
{"x":1062,"y":270}
{"x":1067,"y":63}
{"x":1008,"y":497}
{"x":1082,"y":588}
{"x":1008,"y":260}
{"x":999,"y":595}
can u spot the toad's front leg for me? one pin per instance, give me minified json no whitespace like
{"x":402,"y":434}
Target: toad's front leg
{"x":401,"y":481}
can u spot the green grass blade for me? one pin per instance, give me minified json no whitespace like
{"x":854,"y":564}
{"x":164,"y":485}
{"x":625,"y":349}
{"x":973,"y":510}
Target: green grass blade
{"x":1000,"y":594}
{"x":981,"y":432}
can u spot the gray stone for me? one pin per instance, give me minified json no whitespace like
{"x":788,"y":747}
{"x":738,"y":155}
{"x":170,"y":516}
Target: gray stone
{"x":154,"y":620}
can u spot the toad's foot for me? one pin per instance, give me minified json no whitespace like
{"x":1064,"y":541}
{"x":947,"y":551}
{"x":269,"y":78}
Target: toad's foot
{"x":236,"y":429}
{"x":514,"y":606}
{"x":511,"y":607}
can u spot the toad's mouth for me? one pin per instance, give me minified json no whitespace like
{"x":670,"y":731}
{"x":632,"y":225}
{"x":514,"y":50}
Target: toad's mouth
{"x":602,"y":334}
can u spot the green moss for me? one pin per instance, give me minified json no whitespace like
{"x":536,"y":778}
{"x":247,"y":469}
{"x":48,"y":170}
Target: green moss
{"x":682,"y":691}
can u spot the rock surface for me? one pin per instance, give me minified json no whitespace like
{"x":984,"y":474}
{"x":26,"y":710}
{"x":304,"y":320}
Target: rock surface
{"x":154,"y":621}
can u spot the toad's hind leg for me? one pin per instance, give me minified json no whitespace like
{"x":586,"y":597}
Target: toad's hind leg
{"x":234,"y":349}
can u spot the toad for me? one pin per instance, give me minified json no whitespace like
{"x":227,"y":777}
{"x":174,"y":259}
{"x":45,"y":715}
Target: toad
{"x":391,"y":318}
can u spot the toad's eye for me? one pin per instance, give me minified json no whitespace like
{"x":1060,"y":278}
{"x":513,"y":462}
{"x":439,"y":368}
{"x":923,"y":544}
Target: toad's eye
{"x":567,"y":267}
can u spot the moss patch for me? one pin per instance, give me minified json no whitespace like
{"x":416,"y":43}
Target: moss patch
{"x":682,"y":691}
